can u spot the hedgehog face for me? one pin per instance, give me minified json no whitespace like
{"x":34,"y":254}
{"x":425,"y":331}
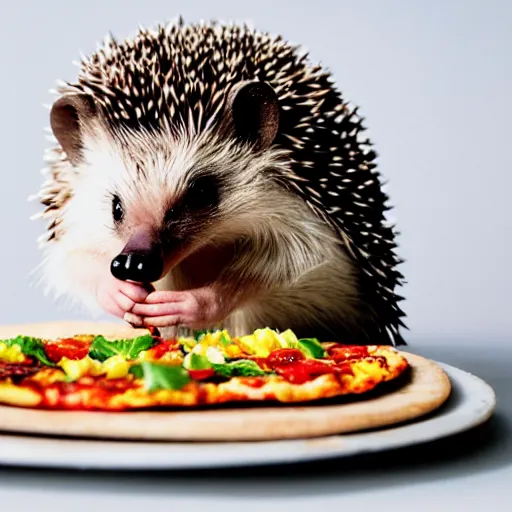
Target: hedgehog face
{"x":165,"y":193}
{"x":155,"y":240}
{"x":168,"y":206}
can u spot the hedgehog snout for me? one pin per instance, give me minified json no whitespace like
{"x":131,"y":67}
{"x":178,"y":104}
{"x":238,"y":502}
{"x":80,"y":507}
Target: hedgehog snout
{"x":141,"y":260}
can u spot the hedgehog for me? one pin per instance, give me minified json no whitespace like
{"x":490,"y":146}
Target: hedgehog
{"x":210,"y":176}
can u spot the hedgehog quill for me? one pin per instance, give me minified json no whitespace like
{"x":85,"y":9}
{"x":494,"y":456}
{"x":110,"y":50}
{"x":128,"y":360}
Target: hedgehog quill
{"x":207,"y":175}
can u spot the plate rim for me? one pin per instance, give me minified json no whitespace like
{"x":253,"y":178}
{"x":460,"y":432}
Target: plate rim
{"x":26,"y":450}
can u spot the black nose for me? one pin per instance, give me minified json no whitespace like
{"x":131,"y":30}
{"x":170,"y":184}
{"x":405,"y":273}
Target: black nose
{"x":137,"y":266}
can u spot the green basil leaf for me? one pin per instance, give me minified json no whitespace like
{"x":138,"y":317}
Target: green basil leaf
{"x":240,"y":368}
{"x":160,"y":376}
{"x":31,"y":347}
{"x":137,"y":371}
{"x":311,"y":347}
{"x":101,"y":348}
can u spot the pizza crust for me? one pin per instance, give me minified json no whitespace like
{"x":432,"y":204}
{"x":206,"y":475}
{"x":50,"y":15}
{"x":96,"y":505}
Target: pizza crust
{"x":426,"y":390}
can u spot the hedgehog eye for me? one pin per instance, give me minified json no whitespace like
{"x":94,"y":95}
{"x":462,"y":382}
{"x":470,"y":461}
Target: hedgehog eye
{"x":202,"y":193}
{"x":117,"y":209}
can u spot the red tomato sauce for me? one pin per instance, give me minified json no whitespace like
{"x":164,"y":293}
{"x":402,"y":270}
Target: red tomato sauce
{"x":344,"y":352}
{"x":304,"y":371}
{"x":291,"y":364}
{"x":254,"y":382}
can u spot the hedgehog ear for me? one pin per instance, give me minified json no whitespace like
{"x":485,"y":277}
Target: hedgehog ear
{"x":68,"y":118}
{"x":255,"y":113}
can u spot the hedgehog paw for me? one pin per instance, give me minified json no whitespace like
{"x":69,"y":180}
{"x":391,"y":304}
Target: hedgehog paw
{"x":195,"y":309}
{"x":119,"y":297}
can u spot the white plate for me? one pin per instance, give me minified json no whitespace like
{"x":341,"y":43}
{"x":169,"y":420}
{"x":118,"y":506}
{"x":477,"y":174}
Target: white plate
{"x":472,"y":402}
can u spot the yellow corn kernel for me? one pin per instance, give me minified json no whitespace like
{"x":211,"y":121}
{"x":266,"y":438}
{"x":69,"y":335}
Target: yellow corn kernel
{"x":247,"y":343}
{"x":261,"y":342}
{"x":116,"y":367}
{"x":214,"y":339}
{"x":233,"y":350}
{"x":11,"y":354}
{"x":78,"y":368}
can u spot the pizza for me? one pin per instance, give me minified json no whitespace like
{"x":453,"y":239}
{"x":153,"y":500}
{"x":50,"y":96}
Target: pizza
{"x":210,"y":368}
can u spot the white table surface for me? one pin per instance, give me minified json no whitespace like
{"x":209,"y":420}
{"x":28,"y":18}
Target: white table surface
{"x":466,"y":472}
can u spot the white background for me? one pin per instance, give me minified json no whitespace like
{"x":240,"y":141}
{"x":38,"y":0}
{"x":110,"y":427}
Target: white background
{"x":433,"y":80}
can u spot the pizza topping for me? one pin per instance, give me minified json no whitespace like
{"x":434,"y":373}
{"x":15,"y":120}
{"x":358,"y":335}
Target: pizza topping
{"x":116,"y":367}
{"x":201,"y":374}
{"x":15,"y":371}
{"x":12,"y":354}
{"x":194,"y":361}
{"x":254,"y":382}
{"x":101,"y":348}
{"x":233,"y":351}
{"x":307,"y":369}
{"x":239,"y":368}
{"x":160,"y":376}
{"x":218,"y":343}
{"x":30,"y":347}
{"x":201,"y":365}
{"x":284,"y":356}
{"x":260,"y":344}
{"x":84,"y":371}
{"x":75,"y":369}
{"x":311,"y":348}
{"x":343,"y":352}
{"x":215,"y":356}
{"x":70,"y":348}
{"x":162,"y":349}
{"x":211,"y":353}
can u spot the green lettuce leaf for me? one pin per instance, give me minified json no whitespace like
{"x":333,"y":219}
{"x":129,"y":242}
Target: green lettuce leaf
{"x":240,"y":368}
{"x":31,"y":347}
{"x":160,"y":376}
{"x":101,"y":348}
